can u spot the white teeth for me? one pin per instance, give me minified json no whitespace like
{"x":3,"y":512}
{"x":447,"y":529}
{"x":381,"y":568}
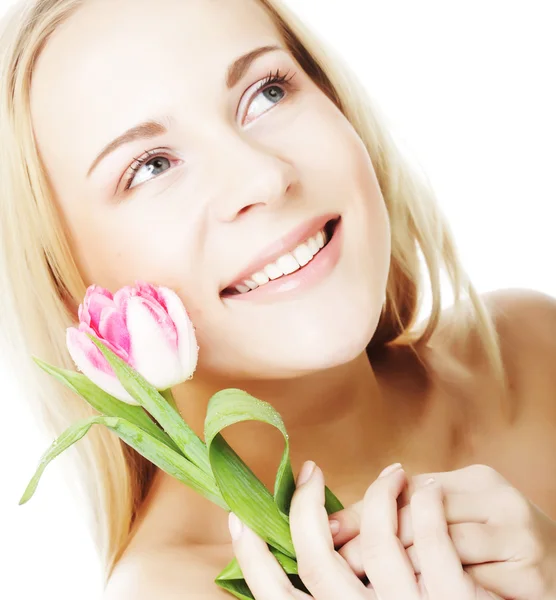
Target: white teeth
{"x":313,"y":245}
{"x":288,"y":264}
{"x":302,"y":254}
{"x":273,"y":271}
{"x":251,"y":284}
{"x":260,"y":278}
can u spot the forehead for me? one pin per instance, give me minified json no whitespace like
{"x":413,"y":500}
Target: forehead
{"x":113,"y":60}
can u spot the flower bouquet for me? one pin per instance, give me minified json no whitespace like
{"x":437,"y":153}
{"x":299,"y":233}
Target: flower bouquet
{"x":131,"y":348}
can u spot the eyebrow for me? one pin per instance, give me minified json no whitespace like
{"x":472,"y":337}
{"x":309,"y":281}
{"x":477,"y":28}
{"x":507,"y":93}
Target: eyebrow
{"x":146,"y":130}
{"x":154,"y":128}
{"x":240,"y":65}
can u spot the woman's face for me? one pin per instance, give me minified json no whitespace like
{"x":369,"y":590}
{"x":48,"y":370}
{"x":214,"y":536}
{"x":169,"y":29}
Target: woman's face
{"x":170,"y":164}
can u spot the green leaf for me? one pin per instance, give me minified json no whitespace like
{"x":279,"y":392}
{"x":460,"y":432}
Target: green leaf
{"x":265,"y":514}
{"x":106,"y":404}
{"x":231,"y":406}
{"x":247,"y":496}
{"x":331,"y":503}
{"x":148,"y":446}
{"x":152,"y":401}
{"x":236,"y":587}
{"x":239,"y":486}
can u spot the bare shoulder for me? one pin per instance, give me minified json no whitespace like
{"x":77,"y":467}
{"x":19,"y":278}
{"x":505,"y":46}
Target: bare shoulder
{"x":525,"y":321}
{"x":526,"y":324}
{"x":526,"y":316}
{"x":171,"y":573}
{"x":517,"y":435}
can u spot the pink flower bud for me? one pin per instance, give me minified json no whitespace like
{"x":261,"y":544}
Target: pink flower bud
{"x":147,"y":327}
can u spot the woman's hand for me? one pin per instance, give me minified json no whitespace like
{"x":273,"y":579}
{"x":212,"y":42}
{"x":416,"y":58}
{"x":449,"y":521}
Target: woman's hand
{"x":384,"y":561}
{"x":507,"y":545}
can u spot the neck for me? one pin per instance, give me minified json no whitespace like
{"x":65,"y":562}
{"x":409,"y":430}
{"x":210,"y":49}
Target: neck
{"x":339,"y":419}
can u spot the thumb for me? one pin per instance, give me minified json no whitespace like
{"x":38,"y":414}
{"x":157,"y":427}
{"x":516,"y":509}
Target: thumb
{"x":346,"y":523}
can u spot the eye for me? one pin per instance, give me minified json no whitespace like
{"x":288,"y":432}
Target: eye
{"x":151,"y":163}
{"x":268,"y":93}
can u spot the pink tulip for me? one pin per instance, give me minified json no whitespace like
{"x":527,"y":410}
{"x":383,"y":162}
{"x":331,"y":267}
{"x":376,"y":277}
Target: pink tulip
{"x":147,"y":327}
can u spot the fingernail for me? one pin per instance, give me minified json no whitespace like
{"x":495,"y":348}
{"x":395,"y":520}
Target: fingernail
{"x":235,"y":526}
{"x":429,"y":482}
{"x":391,"y":469}
{"x":306,"y":471}
{"x":334,"y":526}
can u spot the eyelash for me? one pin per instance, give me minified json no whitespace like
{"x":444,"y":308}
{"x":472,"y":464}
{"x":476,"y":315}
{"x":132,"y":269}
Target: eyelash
{"x":271,"y":79}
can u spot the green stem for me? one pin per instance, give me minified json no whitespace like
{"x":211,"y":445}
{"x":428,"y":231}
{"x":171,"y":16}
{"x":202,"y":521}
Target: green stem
{"x":169,"y":397}
{"x":196,"y":450}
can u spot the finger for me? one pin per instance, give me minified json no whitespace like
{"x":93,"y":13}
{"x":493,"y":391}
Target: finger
{"x":323,"y":571}
{"x":468,"y":497}
{"x":349,"y":523}
{"x":349,"y":519}
{"x":480,"y":594}
{"x":458,"y":508}
{"x":371,"y":594}
{"x":509,"y":580}
{"x":262,"y":572}
{"x":494,"y":508}
{"x":384,"y":558}
{"x":477,"y":478}
{"x":474,"y":543}
{"x":351,"y":553}
{"x":441,"y":569}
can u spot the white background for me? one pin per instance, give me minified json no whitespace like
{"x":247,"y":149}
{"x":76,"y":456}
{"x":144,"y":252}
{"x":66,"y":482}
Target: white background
{"x":469,"y":88}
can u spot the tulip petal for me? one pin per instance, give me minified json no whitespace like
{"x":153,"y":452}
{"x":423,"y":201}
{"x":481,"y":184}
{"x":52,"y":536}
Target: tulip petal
{"x":112,"y":327}
{"x":146,"y":289}
{"x":97,"y":290}
{"x":90,"y":361}
{"x":154,"y":347}
{"x":121,"y":298}
{"x":86,"y":329}
{"x":187,"y":342}
{"x":97,"y":304}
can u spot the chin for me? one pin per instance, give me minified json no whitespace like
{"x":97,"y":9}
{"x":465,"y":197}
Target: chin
{"x":306,"y":347}
{"x":322,"y":347}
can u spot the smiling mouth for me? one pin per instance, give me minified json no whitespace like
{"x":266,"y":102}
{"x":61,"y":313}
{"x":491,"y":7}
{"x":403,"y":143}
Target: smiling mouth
{"x":291,"y":262}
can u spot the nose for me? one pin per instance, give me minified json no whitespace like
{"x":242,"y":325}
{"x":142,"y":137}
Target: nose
{"x":249,"y":176}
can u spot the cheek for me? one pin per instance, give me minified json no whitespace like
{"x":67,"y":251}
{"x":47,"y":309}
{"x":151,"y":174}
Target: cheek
{"x":333,"y":155}
{"x":114,"y":250}
{"x":350,"y":181}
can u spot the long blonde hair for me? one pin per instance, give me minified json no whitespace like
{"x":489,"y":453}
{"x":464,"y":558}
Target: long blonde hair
{"x":40,"y":281}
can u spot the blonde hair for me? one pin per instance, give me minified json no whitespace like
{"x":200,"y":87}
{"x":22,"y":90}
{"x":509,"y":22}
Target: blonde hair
{"x":40,"y":280}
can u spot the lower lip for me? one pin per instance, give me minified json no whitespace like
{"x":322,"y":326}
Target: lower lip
{"x":304,"y":278}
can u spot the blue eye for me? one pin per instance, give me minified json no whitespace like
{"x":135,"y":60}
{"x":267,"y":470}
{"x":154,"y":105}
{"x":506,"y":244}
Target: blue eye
{"x":154,"y":166}
{"x":151,"y":163}
{"x":269,"y":92}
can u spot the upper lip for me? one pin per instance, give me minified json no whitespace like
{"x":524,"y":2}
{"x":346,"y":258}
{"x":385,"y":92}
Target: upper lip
{"x":282,"y":246}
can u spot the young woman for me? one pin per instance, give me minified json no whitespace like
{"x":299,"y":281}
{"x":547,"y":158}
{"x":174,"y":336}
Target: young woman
{"x":219,"y":148}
